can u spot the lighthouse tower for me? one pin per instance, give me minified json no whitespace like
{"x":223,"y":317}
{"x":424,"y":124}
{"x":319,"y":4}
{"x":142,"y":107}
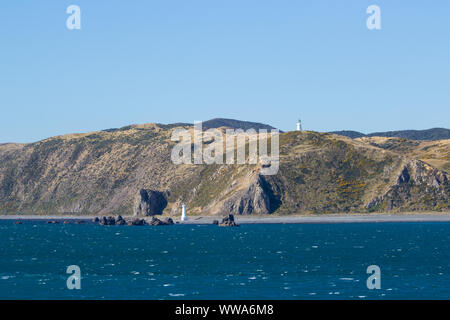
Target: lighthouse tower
{"x":299,"y":125}
{"x":183,"y":213}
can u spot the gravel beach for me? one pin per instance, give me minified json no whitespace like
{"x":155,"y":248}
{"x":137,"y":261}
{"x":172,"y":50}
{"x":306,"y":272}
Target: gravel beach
{"x":329,"y":218}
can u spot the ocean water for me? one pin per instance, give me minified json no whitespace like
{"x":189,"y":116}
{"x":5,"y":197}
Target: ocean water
{"x":282,"y":261}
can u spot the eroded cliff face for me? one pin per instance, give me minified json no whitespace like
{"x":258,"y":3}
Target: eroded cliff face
{"x":418,"y":187}
{"x":256,"y":197}
{"x":95,"y":173}
{"x":104,"y":173}
{"x":322,"y":173}
{"x":149,"y":203}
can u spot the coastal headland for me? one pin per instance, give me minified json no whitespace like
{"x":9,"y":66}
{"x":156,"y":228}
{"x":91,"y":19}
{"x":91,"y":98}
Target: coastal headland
{"x":129,"y":171}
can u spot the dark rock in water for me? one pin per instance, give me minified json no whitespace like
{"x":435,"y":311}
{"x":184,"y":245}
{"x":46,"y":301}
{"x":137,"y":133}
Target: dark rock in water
{"x":158,"y":222}
{"x":137,"y":222}
{"x":120,"y":221}
{"x":18,"y":222}
{"x":149,"y":203}
{"x":228,"y":221}
{"x":155,"y":222}
{"x":107,"y":221}
{"x":66,"y":222}
{"x":215,"y":222}
{"x":96,"y":220}
{"x":52,"y":222}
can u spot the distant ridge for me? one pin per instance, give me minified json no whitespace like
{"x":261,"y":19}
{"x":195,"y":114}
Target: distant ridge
{"x":223,"y":122}
{"x":429,"y":134}
{"x":209,"y":124}
{"x":350,"y":134}
{"x":235,"y":124}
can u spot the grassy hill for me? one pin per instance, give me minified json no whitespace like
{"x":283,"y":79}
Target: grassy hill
{"x":101,"y":172}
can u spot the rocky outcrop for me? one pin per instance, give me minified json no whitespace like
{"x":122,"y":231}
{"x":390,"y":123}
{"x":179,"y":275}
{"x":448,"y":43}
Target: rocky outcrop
{"x":418,"y":186}
{"x":157,"y":222}
{"x":255,"y":199}
{"x":120,"y":221}
{"x":107,"y":221}
{"x":137,"y":222}
{"x":228,"y":221}
{"x":149,"y":203}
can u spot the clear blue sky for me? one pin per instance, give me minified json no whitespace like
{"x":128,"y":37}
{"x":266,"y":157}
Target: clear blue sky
{"x":180,"y":61}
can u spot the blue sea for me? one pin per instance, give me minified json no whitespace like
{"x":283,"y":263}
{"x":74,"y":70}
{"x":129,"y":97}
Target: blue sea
{"x":278,"y":261}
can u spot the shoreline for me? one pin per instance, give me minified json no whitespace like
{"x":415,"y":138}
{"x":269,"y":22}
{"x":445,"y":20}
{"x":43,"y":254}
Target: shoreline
{"x":295,"y":219}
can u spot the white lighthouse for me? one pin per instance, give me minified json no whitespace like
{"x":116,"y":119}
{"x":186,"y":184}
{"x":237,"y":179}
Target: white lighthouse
{"x":183,"y":212}
{"x":299,"y":125}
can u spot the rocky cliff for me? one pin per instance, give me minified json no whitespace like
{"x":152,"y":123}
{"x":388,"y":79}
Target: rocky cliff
{"x":129,"y":171}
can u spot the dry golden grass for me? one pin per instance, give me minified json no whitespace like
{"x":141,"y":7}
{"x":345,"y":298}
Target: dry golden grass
{"x":435,"y":153}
